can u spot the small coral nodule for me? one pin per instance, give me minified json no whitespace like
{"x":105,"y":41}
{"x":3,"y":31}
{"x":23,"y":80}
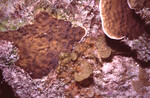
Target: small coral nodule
{"x":104,"y":50}
{"x":84,"y":73}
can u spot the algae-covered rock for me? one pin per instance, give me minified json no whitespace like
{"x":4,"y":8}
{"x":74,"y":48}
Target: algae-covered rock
{"x":85,"y":72}
{"x":141,"y":45}
{"x":2,"y":27}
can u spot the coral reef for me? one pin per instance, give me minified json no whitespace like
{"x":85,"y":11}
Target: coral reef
{"x":68,"y":34}
{"x":5,"y":89}
{"x":72,"y":10}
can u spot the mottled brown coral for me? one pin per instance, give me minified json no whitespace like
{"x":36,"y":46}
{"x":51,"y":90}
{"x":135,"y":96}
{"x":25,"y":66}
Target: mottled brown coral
{"x":40,"y":44}
{"x":118,"y":20}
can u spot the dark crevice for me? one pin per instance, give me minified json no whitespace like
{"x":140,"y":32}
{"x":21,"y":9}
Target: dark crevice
{"x":5,"y":90}
{"x":147,"y":28}
{"x":86,"y":83}
{"x":124,"y":50}
{"x":121,"y":48}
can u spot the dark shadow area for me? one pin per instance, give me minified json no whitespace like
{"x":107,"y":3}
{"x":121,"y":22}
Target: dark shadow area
{"x":109,"y":59}
{"x":143,"y":64}
{"x":137,"y":17}
{"x":147,"y":28}
{"x":123,"y":50}
{"x":86,"y":83}
{"x":120,"y":48}
{"x":138,"y":28}
{"x":5,"y":90}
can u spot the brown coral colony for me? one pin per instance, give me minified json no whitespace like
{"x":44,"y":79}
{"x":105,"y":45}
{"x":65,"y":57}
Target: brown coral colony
{"x":118,"y":20}
{"x":40,"y":44}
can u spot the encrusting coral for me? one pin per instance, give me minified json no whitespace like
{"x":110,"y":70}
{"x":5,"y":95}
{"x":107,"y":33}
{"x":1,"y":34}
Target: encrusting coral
{"x":40,"y":44}
{"x":118,"y":20}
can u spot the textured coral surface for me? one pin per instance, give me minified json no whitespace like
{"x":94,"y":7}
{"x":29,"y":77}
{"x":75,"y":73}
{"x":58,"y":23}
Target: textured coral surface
{"x":118,"y":20}
{"x":39,"y":44}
